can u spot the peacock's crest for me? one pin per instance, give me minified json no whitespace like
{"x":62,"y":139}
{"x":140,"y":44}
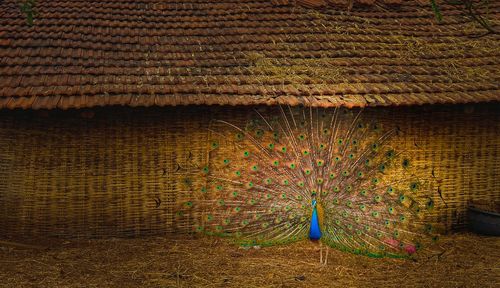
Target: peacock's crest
{"x":274,"y":179}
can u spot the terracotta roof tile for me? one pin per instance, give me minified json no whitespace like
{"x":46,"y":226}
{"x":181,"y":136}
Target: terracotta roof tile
{"x":141,"y":53}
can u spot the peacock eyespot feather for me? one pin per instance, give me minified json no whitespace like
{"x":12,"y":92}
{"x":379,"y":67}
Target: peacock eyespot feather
{"x":218,"y":228}
{"x":250,"y":184}
{"x":188,"y":181}
{"x":288,"y":208}
{"x":265,"y":225}
{"x":332,"y":175}
{"x":368,"y":162}
{"x":305,"y":152}
{"x":219,"y":187}
{"x":252,"y":202}
{"x":244,"y":223}
{"x":336,"y":201}
{"x":308,"y":171}
{"x":382,"y":168}
{"x":234,"y":194}
{"x":375,"y":147}
{"x":325,"y":131}
{"x":357,"y":219}
{"x":337,"y":159}
{"x":269,"y":181}
{"x":283,"y":196}
{"x":227,"y":221}
{"x":299,"y":197}
{"x":348,"y":188}
{"x":363,"y":192}
{"x":283,"y":149}
{"x":345,"y":173}
{"x":360,"y":174}
{"x":350,"y":156}
{"x":367,"y":228}
{"x":336,"y":189}
{"x":259,"y":133}
{"x":361,"y":125}
{"x":269,"y":196}
{"x":239,"y":136}
{"x":320,"y":163}
{"x":354,"y":142}
{"x":375,"y":214}
{"x":375,"y":181}
{"x":226,"y":161}
{"x":345,"y":214}
{"x":276,"y":163}
{"x":221,"y":202}
{"x":430,"y":203}
{"x":302,"y":137}
{"x":300,"y":184}
{"x":391,"y":210}
{"x":270,"y":146}
{"x":405,"y":163}
{"x":214,"y":145}
{"x":199,"y":228}
{"x":237,"y":173}
{"x":414,"y":186}
{"x":377,"y":198}
{"x":206,"y":170}
{"x":349,"y":204}
{"x":319,"y":181}
{"x":340,"y":141}
{"x":362,"y":207}
{"x":324,"y":193}
{"x":396,"y":234}
{"x":188,"y":204}
{"x":203,"y":190}
{"x":285,"y":182}
{"x":390,"y":190}
{"x":322,"y":146}
{"x":276,"y":135}
{"x":292,"y":166}
{"x":209,"y":218}
{"x":428,"y":228}
{"x":390,"y":154}
{"x":255,"y":168}
{"x":246,"y":154}
{"x":402,"y":218}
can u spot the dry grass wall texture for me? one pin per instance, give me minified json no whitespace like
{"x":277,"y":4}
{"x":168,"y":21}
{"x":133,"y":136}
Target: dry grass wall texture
{"x":121,"y":172}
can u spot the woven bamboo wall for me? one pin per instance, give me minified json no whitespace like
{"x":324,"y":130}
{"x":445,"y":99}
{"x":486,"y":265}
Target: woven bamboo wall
{"x":122,"y":171}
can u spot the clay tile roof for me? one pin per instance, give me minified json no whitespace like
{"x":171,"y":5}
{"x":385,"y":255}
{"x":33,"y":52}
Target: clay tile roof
{"x":176,"y":52}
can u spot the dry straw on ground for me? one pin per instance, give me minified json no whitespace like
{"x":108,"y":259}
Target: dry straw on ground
{"x":468,"y":261}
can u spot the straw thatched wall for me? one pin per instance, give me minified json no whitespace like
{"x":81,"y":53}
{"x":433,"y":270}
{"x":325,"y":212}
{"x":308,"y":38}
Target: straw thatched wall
{"x":120,"y":171}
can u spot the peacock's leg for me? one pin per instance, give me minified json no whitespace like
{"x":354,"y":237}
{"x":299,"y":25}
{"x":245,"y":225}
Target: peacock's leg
{"x":320,"y":253}
{"x":326,"y":256}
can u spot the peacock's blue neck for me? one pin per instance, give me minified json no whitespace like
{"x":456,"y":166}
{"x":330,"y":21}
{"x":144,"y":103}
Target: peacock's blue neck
{"x":314,"y":230}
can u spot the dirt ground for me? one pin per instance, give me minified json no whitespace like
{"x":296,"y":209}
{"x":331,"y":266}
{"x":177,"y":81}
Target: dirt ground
{"x":468,"y":261}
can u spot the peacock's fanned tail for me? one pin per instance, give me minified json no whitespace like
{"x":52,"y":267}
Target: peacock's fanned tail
{"x":262,"y":178}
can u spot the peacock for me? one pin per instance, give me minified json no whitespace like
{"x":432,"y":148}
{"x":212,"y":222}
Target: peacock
{"x":328,"y":175}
